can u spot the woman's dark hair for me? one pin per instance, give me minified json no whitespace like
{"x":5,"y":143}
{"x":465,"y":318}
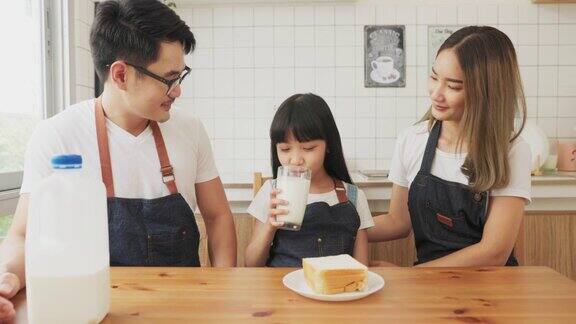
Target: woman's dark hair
{"x":132,"y":30}
{"x":308,"y":118}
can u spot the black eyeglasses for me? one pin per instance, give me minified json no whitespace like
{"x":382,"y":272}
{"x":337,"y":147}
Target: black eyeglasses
{"x":170,"y":83}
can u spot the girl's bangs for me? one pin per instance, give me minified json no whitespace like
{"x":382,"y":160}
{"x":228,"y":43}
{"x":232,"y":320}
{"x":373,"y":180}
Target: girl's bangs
{"x":304,"y":126}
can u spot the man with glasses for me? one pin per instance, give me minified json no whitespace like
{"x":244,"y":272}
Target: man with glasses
{"x":171,"y":84}
{"x":154,"y":159}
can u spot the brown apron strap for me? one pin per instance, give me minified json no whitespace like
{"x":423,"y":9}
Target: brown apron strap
{"x":340,"y":191}
{"x":165,"y":166}
{"x":103,"y":149}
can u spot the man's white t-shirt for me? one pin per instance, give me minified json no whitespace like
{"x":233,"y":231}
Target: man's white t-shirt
{"x":135,"y":164}
{"x":409,"y":153}
{"x":260,"y":205}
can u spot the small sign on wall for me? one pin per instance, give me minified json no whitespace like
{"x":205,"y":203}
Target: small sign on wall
{"x":384,"y":56}
{"x":437,"y":34}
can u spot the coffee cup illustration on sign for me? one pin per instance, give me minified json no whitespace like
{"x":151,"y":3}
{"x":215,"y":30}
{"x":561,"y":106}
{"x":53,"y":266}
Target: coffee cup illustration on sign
{"x":383,"y":70}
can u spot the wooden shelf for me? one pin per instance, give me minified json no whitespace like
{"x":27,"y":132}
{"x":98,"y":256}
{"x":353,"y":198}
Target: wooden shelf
{"x":188,"y":3}
{"x":553,"y":1}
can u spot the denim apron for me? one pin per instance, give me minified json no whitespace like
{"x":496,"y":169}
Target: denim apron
{"x":147,"y":232}
{"x":326,"y":230}
{"x":446,"y":216}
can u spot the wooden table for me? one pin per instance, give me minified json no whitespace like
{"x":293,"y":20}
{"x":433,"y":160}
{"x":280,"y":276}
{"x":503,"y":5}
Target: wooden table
{"x":470,"y":295}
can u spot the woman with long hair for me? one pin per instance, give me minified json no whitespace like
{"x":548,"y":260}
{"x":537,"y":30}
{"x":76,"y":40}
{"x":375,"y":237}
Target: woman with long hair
{"x":461,"y":177}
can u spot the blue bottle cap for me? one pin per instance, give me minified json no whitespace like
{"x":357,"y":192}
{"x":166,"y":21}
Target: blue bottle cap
{"x":67,"y":161}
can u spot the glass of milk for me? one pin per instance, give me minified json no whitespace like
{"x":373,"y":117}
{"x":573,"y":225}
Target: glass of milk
{"x":294,"y":184}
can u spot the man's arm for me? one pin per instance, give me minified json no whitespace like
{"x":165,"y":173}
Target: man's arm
{"x":219,"y":222}
{"x":12,"y":275}
{"x":12,"y":248}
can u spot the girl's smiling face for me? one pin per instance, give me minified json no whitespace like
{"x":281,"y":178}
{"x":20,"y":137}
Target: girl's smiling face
{"x":302,"y":154}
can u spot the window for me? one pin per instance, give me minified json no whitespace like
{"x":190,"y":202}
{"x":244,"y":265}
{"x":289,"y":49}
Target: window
{"x":22,"y":84}
{"x":5,"y":221}
{"x":32,"y":82}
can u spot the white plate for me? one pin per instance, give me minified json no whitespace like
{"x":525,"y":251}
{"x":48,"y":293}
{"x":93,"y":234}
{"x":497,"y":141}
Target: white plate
{"x":296,"y":282}
{"x":393,"y":77}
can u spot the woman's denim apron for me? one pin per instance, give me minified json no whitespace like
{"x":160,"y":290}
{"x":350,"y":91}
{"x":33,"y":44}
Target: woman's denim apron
{"x":446,"y":216}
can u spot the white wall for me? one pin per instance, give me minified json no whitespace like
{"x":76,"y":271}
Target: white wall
{"x":81,"y":66}
{"x":251,"y":57}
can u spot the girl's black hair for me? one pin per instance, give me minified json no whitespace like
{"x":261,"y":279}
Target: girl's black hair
{"x":308,"y":118}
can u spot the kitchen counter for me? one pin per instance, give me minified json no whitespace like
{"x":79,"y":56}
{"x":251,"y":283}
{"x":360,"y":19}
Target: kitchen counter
{"x":553,"y":191}
{"x":545,"y":238}
{"x":411,"y":295}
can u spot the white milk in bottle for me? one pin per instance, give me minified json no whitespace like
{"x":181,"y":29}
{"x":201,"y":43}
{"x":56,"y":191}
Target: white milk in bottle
{"x":67,"y":257}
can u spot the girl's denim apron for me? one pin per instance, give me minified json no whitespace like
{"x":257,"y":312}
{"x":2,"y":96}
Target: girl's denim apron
{"x":326,"y":230}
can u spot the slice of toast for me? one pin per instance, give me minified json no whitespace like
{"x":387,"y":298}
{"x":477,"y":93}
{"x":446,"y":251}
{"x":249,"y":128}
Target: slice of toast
{"x":334,"y":274}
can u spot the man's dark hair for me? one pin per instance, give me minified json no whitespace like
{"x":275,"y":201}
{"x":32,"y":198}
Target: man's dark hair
{"x":132,"y":30}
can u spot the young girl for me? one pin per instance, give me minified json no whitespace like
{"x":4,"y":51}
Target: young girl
{"x":304,"y":134}
{"x":462,"y":176}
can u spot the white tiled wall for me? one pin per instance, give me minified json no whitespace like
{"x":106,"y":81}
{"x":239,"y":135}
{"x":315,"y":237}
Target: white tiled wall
{"x":82,"y":69}
{"x":251,"y":57}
